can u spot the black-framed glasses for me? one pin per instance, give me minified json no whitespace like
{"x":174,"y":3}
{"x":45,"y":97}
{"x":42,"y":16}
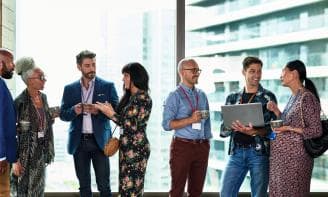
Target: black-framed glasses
{"x":41,"y":77}
{"x":194,"y":70}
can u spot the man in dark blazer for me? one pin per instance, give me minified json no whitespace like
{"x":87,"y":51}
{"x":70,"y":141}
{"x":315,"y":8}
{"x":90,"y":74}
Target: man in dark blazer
{"x":8,"y":143}
{"x":89,"y":130}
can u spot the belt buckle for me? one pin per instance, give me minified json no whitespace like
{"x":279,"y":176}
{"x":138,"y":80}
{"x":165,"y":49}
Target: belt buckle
{"x":85,"y":136}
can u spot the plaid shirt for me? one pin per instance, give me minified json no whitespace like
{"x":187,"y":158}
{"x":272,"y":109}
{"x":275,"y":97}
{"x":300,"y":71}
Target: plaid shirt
{"x":262,"y":96}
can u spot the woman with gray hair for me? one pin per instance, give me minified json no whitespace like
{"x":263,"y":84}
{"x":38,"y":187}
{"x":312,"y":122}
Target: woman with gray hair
{"x":34,"y":131}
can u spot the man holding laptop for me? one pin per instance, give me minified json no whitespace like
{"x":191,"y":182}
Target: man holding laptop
{"x":249,"y":146}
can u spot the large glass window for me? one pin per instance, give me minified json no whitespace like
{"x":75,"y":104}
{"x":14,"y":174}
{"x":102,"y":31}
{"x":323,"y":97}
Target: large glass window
{"x":53,"y":32}
{"x":249,"y":35}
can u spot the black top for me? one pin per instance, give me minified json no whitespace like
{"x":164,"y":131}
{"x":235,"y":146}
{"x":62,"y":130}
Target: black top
{"x":241,"y":138}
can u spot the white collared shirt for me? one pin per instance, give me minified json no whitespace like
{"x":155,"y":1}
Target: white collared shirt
{"x":86,"y":97}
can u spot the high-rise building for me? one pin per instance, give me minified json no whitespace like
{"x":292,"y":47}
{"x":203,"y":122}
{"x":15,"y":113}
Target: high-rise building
{"x":222,"y":32}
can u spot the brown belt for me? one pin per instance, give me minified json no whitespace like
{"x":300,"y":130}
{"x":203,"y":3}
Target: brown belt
{"x":192,"y":141}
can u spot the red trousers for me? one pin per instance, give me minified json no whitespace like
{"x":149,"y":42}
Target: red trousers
{"x":188,"y":161}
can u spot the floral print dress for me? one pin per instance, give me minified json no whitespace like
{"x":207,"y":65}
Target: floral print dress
{"x":134,"y":146}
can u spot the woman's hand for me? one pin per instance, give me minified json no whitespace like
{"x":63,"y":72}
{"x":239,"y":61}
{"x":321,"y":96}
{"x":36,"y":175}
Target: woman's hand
{"x":105,"y":108}
{"x":272,"y":106}
{"x":287,"y":128}
{"x":17,"y":168}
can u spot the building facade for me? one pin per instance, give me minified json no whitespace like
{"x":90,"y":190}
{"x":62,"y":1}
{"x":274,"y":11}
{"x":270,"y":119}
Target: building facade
{"x":221,"y":33}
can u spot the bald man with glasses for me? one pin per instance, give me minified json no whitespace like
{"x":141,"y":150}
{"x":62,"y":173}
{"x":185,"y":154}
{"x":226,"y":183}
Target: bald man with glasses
{"x":192,"y":131}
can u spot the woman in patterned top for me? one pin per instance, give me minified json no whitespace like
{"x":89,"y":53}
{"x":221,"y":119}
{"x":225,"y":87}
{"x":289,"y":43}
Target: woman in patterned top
{"x":290,"y":165}
{"x":132,"y":115}
{"x":34,"y":131}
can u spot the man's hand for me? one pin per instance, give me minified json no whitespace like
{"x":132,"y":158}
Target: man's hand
{"x":248,"y":130}
{"x":3,"y":166}
{"x":196,"y":116}
{"x":92,"y":109}
{"x":78,"y":108}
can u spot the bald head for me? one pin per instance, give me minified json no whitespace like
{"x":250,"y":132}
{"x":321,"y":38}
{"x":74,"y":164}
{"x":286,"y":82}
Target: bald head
{"x":6,"y":63}
{"x":185,"y":62}
{"x":6,"y":52}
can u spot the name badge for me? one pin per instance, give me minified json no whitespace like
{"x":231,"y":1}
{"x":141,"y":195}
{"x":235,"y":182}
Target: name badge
{"x":196,"y":126}
{"x":121,"y":131}
{"x":40,"y":134}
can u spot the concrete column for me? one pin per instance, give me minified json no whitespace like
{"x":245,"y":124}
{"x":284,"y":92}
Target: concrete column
{"x":7,"y":24}
{"x":7,"y":31}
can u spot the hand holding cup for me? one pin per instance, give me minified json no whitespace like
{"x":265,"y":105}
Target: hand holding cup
{"x":276,"y":123}
{"x":205,"y":114}
{"x":54,"y":111}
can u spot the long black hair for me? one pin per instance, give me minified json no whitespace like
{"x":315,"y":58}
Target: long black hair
{"x":139,"y":77}
{"x":299,"y":66}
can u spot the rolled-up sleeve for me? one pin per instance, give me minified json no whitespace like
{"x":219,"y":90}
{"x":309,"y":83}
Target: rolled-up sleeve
{"x":170,"y":111}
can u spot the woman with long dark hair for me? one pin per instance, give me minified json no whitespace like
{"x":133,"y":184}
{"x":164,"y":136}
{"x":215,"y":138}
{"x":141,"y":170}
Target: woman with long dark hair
{"x":290,"y":165}
{"x":132,"y":115}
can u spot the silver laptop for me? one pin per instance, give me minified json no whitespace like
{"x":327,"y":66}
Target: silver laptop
{"x":245,"y":113}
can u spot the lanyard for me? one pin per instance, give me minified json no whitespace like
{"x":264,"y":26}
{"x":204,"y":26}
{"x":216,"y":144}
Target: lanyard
{"x":89,"y":91}
{"x":249,"y":100}
{"x":189,"y":101}
{"x":289,"y":105}
{"x":41,"y":118}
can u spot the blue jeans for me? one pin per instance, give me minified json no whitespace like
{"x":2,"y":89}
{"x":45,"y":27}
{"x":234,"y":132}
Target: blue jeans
{"x":242,"y":161}
{"x":88,"y":151}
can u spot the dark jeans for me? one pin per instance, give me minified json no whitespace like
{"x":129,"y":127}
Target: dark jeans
{"x":88,"y":151}
{"x":188,"y":161}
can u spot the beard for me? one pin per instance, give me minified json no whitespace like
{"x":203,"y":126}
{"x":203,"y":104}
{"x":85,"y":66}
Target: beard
{"x":89,"y":75}
{"x":195,"y":79}
{"x":6,"y":73}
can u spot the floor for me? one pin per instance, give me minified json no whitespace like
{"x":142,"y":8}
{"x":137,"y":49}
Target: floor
{"x":161,"y":194}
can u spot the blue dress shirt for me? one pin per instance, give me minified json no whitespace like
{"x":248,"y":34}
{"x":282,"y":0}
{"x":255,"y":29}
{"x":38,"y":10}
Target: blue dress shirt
{"x":177,"y":106}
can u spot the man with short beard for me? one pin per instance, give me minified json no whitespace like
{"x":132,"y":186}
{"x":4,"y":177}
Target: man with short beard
{"x":90,"y":129}
{"x":8,"y":144}
{"x":192,"y":131}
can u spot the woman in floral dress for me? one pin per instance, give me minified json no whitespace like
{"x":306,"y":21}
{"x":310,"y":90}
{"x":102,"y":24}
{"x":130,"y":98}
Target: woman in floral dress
{"x":290,"y":165}
{"x":132,"y":115}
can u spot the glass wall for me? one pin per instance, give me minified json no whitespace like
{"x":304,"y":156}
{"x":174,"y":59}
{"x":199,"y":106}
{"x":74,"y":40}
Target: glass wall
{"x":54,"y":32}
{"x":304,"y":18}
{"x":275,"y":31}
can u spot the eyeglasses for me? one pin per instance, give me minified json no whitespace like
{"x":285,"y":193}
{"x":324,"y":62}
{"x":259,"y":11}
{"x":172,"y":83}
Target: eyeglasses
{"x":41,"y":77}
{"x":194,"y":70}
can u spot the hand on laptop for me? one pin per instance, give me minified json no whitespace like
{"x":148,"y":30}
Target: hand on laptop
{"x":248,"y":130}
